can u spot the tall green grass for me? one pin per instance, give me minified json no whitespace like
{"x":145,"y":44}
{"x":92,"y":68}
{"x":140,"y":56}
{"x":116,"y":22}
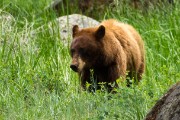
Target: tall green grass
{"x":37,"y":83}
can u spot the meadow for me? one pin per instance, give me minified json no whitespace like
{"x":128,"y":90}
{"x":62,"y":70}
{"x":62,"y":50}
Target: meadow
{"x":36,"y":82}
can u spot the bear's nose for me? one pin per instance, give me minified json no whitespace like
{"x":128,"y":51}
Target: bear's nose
{"x":74,"y":67}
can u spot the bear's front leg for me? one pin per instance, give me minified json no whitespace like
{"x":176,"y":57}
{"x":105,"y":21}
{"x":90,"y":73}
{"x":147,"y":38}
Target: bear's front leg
{"x":109,"y":75}
{"x":84,"y":77}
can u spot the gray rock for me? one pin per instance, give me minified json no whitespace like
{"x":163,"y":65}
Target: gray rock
{"x":62,"y":26}
{"x":4,"y":16}
{"x":65,"y":24}
{"x":6,"y":22}
{"x":168,"y":107}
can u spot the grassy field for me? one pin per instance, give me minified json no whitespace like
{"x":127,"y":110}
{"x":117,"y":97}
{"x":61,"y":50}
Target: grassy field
{"x":36,"y":82}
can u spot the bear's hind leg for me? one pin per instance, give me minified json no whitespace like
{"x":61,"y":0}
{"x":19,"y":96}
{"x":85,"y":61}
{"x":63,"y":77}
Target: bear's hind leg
{"x":140,"y":71}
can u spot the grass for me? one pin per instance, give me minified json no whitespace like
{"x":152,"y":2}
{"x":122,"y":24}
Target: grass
{"x":37,"y":83}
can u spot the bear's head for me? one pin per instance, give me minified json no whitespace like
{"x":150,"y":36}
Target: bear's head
{"x":86,"y":47}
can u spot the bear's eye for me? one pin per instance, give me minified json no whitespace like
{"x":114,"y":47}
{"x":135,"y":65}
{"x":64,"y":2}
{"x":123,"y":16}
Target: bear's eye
{"x":72,"y":52}
{"x":81,"y":51}
{"x":84,"y":53}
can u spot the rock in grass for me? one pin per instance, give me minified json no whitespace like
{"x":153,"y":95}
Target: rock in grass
{"x":6,"y":22}
{"x":65,"y":24}
{"x":168,"y":107}
{"x":6,"y":16}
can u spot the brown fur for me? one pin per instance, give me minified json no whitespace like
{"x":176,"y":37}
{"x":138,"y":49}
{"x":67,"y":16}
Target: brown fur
{"x":111,"y":49}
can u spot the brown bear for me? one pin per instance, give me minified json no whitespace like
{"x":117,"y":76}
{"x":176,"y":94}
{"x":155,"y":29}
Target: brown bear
{"x":111,"y":50}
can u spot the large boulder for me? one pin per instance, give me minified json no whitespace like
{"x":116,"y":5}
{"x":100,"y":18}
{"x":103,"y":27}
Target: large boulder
{"x":168,"y":107}
{"x":65,"y":24}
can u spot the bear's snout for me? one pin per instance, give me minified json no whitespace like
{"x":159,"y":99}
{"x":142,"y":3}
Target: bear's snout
{"x":74,"y":67}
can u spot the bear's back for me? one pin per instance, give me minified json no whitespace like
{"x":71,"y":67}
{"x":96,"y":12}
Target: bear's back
{"x":117,"y":31}
{"x":125,"y":33}
{"x":129,"y":39}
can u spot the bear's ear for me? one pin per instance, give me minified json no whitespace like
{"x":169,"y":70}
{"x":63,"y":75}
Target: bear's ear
{"x":75,"y":29}
{"x":100,"y":32}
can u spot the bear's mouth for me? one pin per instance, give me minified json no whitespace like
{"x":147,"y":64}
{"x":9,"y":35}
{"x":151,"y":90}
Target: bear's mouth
{"x":74,"y":68}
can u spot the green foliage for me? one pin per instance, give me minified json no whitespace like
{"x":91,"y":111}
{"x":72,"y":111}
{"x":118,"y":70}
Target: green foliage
{"x":37,"y":83}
